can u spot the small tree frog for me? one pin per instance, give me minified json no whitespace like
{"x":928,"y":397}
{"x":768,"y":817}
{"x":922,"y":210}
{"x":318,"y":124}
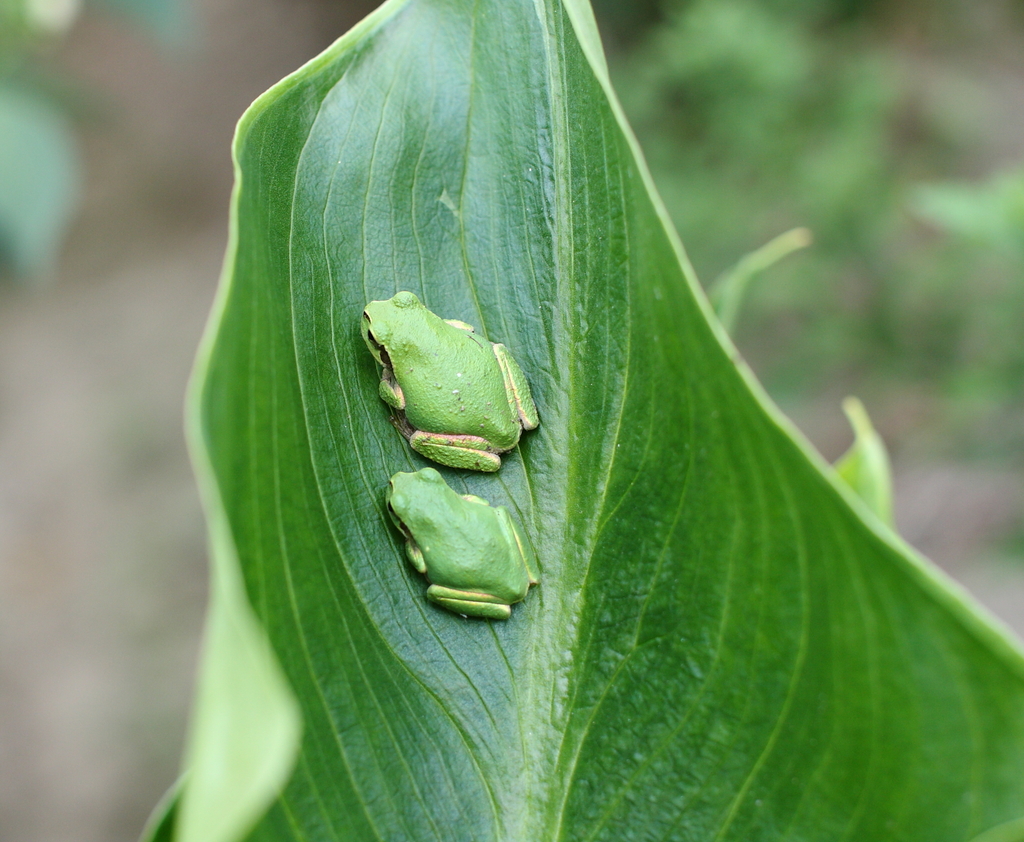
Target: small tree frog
{"x":475,"y":556}
{"x":459,"y":399}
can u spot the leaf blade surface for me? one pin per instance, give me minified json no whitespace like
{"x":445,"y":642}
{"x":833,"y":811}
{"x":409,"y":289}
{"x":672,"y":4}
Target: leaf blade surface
{"x":720,"y":647}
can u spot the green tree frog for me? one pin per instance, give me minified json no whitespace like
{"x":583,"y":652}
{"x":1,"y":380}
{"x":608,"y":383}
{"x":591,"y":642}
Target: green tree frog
{"x":475,"y":556}
{"x":459,"y":399}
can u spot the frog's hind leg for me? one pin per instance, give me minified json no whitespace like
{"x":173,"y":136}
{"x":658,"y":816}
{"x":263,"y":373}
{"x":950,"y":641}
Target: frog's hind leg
{"x":470,"y":452}
{"x":525,"y":547}
{"x":472,"y":498}
{"x":517,"y":388}
{"x":471,"y":603}
{"x":461,"y":325}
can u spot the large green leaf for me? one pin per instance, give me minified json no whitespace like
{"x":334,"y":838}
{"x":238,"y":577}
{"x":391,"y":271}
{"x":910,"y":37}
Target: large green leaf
{"x":725,"y":644}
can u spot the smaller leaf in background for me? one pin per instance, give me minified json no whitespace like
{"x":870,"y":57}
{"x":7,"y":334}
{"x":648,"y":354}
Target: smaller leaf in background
{"x":39,"y":181}
{"x":990,"y":213}
{"x":163,"y":820}
{"x":39,"y":17}
{"x":245,"y":726}
{"x":53,"y":16}
{"x":22,"y":22}
{"x":728,"y":291}
{"x":865,"y":466}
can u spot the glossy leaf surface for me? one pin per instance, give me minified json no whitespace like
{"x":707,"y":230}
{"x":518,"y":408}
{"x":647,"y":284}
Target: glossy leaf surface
{"x":720,"y":647}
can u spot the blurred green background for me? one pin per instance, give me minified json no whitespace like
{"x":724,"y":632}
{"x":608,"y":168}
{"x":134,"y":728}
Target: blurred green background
{"x":893,"y":131}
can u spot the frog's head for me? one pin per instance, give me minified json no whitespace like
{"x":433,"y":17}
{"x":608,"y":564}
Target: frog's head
{"x":382,"y":320}
{"x":394,"y":503}
{"x":410,"y":493}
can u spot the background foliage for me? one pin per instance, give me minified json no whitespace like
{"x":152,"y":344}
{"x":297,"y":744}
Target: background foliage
{"x":761,"y":115}
{"x":40,"y":170}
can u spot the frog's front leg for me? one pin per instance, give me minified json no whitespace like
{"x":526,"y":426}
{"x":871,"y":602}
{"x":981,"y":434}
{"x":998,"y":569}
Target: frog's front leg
{"x":471,"y":603}
{"x":469,"y":452}
{"x":517,"y":388}
{"x":415,"y":555}
{"x":390,"y":391}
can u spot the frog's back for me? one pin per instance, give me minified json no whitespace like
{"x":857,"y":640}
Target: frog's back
{"x":467,"y":394}
{"x":468,"y":550}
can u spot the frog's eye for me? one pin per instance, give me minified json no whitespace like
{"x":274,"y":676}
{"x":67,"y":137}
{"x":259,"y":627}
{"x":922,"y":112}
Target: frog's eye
{"x":390,"y":507}
{"x":395,"y":519}
{"x":372,"y":340}
{"x":405,"y":299}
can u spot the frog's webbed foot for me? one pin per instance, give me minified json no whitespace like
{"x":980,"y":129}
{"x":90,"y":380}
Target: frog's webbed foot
{"x":471,"y":603}
{"x":517,"y":388}
{"x":390,"y":391}
{"x":469,"y":452}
